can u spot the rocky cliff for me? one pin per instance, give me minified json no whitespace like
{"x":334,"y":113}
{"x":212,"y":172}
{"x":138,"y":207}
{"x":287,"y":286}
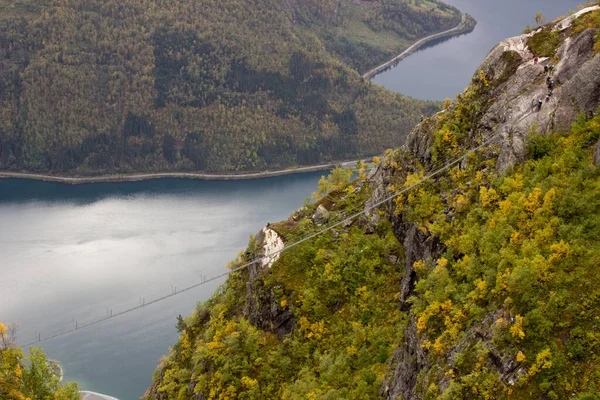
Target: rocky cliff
{"x":478,"y":283}
{"x":509,"y":109}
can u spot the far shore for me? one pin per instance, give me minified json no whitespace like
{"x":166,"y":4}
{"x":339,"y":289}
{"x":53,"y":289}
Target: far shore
{"x":76,"y":180}
{"x":459,"y":29}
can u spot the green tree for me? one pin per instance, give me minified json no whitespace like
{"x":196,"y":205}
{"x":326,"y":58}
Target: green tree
{"x":540,"y":19}
{"x":31,"y":377}
{"x":338,"y":179}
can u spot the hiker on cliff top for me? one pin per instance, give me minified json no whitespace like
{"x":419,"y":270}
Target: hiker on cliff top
{"x":535,"y":60}
{"x":422,"y":118}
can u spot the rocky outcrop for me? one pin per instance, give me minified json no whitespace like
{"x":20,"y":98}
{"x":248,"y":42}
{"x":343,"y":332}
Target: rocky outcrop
{"x":568,"y":22}
{"x":320,"y":216}
{"x":417,"y":246}
{"x":406,"y":363}
{"x":270,"y":246}
{"x":262,"y":308}
{"x":420,"y":140}
{"x":508,"y":110}
{"x":518,"y":83}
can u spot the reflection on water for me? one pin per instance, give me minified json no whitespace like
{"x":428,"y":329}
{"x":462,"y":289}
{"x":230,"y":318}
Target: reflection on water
{"x":73,"y":253}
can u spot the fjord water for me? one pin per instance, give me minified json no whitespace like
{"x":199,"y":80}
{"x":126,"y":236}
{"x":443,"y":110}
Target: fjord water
{"x":444,"y":69}
{"x":73,"y":253}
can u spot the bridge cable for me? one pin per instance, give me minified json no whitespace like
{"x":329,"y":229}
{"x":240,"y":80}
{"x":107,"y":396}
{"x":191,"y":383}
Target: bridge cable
{"x":274,"y":253}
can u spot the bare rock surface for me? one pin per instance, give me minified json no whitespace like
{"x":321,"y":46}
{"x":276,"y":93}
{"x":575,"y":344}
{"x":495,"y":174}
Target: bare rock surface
{"x":262,"y":308}
{"x":320,"y":216}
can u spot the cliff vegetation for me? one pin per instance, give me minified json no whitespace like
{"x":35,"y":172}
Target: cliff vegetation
{"x":481,"y":283}
{"x":30,"y":377}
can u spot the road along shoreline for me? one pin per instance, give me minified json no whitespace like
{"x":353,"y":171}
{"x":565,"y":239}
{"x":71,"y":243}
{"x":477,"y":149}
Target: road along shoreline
{"x":76,"y":180}
{"x":467,"y":24}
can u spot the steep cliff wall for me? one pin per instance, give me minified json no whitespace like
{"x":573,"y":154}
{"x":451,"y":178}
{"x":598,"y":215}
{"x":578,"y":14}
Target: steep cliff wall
{"x":505,"y":105}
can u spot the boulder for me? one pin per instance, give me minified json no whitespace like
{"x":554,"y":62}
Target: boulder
{"x":320,"y":216}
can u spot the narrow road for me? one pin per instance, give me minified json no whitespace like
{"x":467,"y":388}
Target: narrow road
{"x":369,"y":75}
{"x":182,"y":175}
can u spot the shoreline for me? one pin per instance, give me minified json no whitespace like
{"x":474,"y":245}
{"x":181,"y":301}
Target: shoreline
{"x":135,"y":177}
{"x":459,"y":29}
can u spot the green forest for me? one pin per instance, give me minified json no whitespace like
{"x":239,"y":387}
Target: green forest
{"x":506,"y":306}
{"x":521,"y":261}
{"x":117,"y":86}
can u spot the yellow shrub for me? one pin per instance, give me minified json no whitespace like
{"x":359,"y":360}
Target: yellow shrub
{"x":516,"y":330}
{"x":488,"y":196}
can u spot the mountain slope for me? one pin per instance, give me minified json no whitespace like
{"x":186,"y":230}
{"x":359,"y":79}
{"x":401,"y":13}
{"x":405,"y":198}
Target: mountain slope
{"x":481,"y":283}
{"x":127,"y":86}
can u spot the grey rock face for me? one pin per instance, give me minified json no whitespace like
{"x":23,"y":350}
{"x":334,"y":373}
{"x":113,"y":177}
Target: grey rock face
{"x":405,"y":364}
{"x":419,"y":141}
{"x":597,"y":154}
{"x":380,"y":181}
{"x":320,"y":216}
{"x":520,"y":83}
{"x":262,"y":308}
{"x":417,"y":246}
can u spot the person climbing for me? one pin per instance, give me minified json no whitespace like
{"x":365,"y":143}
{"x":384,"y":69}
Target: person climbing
{"x":547,"y":98}
{"x":548,"y":79}
{"x":551,"y":85}
{"x":539,"y":107}
{"x":545,"y":68}
{"x":535,"y":60}
{"x":551,"y":69}
{"x":550,"y":93}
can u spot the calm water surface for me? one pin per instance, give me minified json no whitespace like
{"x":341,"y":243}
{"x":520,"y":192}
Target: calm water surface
{"x":72,"y":252}
{"x":445,"y":69}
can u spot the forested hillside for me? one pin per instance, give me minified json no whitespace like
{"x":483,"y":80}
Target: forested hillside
{"x":479,"y":284}
{"x":90,"y":86}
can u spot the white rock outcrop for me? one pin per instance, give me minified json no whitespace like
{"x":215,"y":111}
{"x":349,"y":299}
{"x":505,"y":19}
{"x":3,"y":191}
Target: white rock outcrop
{"x":567,"y":22}
{"x":272,"y":245}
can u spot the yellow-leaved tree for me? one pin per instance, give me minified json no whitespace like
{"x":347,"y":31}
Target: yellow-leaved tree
{"x":35,"y":379}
